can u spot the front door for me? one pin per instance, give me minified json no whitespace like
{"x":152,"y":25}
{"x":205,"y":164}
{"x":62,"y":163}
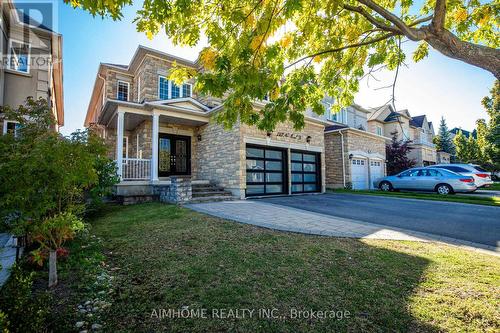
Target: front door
{"x":174,"y":155}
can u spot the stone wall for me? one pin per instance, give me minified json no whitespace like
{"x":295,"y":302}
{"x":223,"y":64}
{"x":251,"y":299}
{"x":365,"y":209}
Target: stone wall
{"x":112,"y":78}
{"x":218,"y":156}
{"x":179,"y":191}
{"x":355,"y":142}
{"x":333,"y":160}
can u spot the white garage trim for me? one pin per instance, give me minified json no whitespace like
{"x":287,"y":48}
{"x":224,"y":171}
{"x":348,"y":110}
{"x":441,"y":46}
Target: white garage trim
{"x":364,"y":154}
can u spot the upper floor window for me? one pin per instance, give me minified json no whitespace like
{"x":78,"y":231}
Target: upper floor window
{"x":379,"y":130}
{"x":167,"y":89}
{"x":11,"y":127}
{"x":122,"y":92}
{"x":19,"y":54}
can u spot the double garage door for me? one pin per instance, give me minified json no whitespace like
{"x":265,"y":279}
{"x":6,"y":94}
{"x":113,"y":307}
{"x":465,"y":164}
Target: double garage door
{"x":267,"y":171}
{"x":359,"y":169}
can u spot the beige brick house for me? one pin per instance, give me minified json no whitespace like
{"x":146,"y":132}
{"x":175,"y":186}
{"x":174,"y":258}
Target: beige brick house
{"x":385,"y":120}
{"x":354,"y":157}
{"x":161,"y":134}
{"x":31,"y":63}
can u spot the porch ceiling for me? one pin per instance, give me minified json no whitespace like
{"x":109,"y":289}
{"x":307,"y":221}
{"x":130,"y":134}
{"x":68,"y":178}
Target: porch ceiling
{"x":132,"y":120}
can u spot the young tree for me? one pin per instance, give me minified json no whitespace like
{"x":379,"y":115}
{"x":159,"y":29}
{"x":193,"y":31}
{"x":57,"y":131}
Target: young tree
{"x":473,"y":151}
{"x":258,"y":48}
{"x":482,"y":141}
{"x":397,"y":155}
{"x":44,"y":177}
{"x":492,"y":106}
{"x":461,"y":147}
{"x":443,"y":139}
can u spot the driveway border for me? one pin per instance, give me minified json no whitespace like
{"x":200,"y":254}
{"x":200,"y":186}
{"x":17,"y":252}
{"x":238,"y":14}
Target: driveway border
{"x":349,"y":228}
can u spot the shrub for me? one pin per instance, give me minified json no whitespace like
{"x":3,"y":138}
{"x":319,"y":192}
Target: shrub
{"x":20,"y":310}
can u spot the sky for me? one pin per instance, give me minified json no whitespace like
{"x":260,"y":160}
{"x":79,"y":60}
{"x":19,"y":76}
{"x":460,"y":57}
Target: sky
{"x":437,"y":86}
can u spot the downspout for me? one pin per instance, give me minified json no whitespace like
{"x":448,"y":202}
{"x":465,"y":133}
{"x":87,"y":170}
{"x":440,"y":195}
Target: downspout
{"x":343,"y":157}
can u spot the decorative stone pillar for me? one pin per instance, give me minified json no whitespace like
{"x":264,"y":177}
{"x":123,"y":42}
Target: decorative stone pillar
{"x":179,"y":191}
{"x":154,"y":147}
{"x":119,"y":141}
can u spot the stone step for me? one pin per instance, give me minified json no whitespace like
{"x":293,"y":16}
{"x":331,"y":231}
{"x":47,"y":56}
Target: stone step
{"x":211,"y":193}
{"x":207,"y":189}
{"x":212,"y":199}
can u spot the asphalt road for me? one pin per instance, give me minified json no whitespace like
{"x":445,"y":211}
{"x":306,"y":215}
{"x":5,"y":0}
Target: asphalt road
{"x":474,"y":223}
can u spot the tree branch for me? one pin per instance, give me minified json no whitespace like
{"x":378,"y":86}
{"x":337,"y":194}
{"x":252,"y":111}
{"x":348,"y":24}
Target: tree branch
{"x":368,"y":42}
{"x":439,"y":15}
{"x":411,"y":33}
{"x":372,"y":19}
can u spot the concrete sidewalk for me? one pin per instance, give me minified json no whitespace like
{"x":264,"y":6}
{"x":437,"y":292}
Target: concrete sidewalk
{"x":283,"y":218}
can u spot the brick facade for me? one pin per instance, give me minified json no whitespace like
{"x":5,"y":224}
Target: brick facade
{"x":356,"y":143}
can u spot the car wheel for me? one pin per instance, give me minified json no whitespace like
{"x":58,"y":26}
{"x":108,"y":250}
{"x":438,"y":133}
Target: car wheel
{"x":385,"y":186}
{"x":444,"y":189}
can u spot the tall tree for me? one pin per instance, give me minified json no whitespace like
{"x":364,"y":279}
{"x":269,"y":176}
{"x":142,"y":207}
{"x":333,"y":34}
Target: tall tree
{"x":482,"y":141}
{"x":397,"y":155}
{"x":473,"y":151}
{"x":443,"y":140}
{"x":492,"y":106}
{"x":267,"y":47}
{"x":461,"y":147}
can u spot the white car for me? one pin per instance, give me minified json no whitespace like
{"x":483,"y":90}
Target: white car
{"x":481,"y":177}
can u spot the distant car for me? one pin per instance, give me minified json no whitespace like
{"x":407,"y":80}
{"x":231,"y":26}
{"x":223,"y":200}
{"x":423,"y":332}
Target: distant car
{"x":481,"y":177}
{"x":441,"y":181}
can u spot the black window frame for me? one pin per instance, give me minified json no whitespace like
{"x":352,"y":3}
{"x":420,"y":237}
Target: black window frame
{"x":317,"y":172}
{"x":283,"y":171}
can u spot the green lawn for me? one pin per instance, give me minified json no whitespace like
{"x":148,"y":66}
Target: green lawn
{"x":494,"y":187}
{"x":479,"y":200}
{"x":159,"y":256}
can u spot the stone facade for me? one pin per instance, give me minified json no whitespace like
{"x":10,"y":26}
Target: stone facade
{"x":443,"y":157}
{"x":179,"y":191}
{"x":356,"y":143}
{"x":218,"y":156}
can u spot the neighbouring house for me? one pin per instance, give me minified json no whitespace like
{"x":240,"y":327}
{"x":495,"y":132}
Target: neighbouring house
{"x":385,"y":120}
{"x":354,"y":157}
{"x":167,"y":144}
{"x":31,"y":63}
{"x":467,"y":134}
{"x":443,"y":157}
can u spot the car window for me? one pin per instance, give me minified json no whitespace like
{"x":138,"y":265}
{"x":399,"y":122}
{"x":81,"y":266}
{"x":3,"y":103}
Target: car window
{"x":478,"y":168}
{"x":410,"y":173}
{"x":454,"y":169}
{"x":433,"y":173}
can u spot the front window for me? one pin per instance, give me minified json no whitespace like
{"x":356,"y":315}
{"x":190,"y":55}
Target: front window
{"x":176,"y":91}
{"x":11,"y":127}
{"x":379,"y":130}
{"x":122,"y":93}
{"x":125,"y":147}
{"x":19,"y":56}
{"x":186,"y":90}
{"x":168,"y":90}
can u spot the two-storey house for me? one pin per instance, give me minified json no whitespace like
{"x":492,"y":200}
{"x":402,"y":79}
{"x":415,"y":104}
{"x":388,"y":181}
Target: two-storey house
{"x":385,"y":121}
{"x":31,"y":63}
{"x":162,"y":135}
{"x":354,"y":156}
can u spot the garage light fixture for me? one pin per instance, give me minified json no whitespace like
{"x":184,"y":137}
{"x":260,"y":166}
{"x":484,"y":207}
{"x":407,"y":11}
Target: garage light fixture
{"x":308,"y":139}
{"x":351,"y":156}
{"x":199,"y":137}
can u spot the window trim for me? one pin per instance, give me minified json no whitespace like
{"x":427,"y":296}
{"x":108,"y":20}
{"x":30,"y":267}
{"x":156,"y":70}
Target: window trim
{"x":9,"y":56}
{"x":169,"y":93}
{"x":125,"y":145}
{"x":4,"y":129}
{"x":118,"y":90}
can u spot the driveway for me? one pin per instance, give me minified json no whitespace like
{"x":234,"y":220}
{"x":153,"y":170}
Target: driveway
{"x":473,"y":223}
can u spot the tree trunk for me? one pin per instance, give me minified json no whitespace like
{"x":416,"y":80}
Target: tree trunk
{"x":52,"y":268}
{"x":474,"y":54}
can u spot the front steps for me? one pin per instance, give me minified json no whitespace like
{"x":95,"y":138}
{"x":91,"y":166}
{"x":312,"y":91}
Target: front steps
{"x":209,"y":192}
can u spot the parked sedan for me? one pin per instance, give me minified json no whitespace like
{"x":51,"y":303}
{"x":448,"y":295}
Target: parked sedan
{"x":481,"y":177}
{"x":441,"y":181}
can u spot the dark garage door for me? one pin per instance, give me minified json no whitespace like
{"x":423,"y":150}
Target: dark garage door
{"x":266,"y":171}
{"x":305,"y":172}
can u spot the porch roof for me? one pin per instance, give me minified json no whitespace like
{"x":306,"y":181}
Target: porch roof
{"x":183,"y":111}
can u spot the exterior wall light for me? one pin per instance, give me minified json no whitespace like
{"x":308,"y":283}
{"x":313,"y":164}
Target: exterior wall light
{"x":351,"y":156}
{"x":308,"y":139}
{"x":199,"y":137}
{"x":269,"y":134}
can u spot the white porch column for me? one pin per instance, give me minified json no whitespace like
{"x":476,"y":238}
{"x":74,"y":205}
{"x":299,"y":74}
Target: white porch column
{"x":154,"y":147}
{"x":119,"y":142}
